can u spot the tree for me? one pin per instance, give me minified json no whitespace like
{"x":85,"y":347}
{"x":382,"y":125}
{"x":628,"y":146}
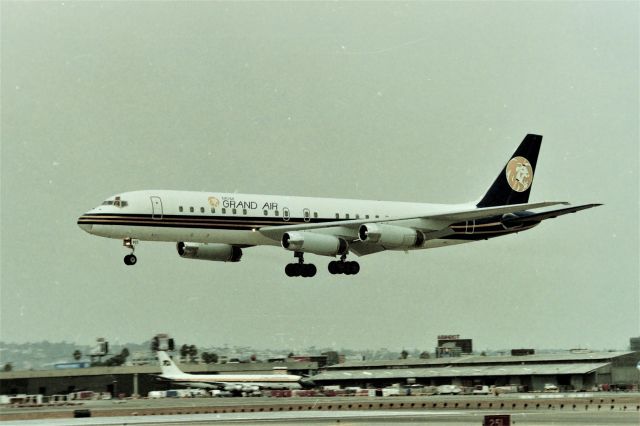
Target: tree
{"x":8,"y":367}
{"x":425,"y":355}
{"x":77,"y":355}
{"x":404,"y":354}
{"x":209,"y":358}
{"x":115,"y":360}
{"x":193,"y":353}
{"x":184,"y":351}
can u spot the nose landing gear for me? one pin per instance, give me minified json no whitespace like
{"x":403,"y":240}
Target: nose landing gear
{"x":344,"y":267}
{"x":130,"y":259}
{"x":300,"y":269}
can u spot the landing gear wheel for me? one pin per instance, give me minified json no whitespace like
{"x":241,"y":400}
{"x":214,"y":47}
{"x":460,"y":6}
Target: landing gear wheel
{"x":308,"y":270}
{"x":291,"y":269}
{"x":300,"y":269}
{"x":352,"y":268}
{"x":343,"y":267}
{"x":130,"y":259}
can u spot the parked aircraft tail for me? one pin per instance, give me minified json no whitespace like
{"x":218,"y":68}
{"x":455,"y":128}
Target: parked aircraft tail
{"x":513,"y":184}
{"x":169,"y":368}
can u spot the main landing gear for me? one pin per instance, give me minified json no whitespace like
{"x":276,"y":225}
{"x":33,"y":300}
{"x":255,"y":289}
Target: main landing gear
{"x":130,"y":259}
{"x":344,"y":267}
{"x":300,"y":269}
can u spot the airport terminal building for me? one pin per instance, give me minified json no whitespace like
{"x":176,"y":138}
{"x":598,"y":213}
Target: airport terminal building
{"x":568,"y":371}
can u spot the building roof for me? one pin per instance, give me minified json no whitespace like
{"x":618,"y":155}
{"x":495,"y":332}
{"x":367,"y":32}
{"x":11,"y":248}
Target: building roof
{"x":478,"y":359}
{"x":455,"y":371}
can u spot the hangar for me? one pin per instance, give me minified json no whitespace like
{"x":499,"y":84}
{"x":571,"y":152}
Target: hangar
{"x":569,"y":371}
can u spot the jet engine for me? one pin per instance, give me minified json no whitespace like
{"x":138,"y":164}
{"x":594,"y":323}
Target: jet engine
{"x":390,"y":236}
{"x":309,"y":242}
{"x":216,"y":252}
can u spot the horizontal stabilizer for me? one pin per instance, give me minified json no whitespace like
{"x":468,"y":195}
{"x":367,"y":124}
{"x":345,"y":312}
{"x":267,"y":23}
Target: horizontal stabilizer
{"x":538,"y":217}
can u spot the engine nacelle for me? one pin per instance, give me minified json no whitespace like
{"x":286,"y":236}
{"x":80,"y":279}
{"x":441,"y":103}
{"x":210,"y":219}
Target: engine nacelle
{"x":309,"y":242}
{"x":215,"y":252}
{"x":391,"y":236}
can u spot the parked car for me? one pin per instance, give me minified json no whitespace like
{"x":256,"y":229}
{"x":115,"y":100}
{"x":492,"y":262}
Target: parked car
{"x":448,"y":390}
{"x":550,"y":387}
{"x":480,"y":390}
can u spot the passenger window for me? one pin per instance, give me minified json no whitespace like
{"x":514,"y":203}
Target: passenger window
{"x":277,"y":213}
{"x":377,"y":217}
{"x":357,"y":216}
{"x":337,"y":215}
{"x":366,"y":216}
{"x":213,"y":210}
{"x":180,"y":209}
{"x":244,"y":211}
{"x":315,"y":215}
{"x":266,"y":212}
{"x":201,"y":209}
{"x":233,"y":211}
{"x":346,"y":216}
{"x":224,"y":211}
{"x":191,"y":209}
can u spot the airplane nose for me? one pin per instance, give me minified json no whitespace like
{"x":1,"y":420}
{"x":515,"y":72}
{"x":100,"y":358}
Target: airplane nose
{"x":86,"y":227}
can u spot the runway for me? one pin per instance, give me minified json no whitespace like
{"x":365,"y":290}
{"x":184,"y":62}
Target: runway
{"x":412,"y":417}
{"x":526,"y":409}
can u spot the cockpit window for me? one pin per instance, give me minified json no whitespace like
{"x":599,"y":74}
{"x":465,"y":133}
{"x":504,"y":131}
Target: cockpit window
{"x":115,"y":202}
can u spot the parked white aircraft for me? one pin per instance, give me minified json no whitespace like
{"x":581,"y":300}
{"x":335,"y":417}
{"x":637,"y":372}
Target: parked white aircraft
{"x":217,"y":226}
{"x":228,"y":382}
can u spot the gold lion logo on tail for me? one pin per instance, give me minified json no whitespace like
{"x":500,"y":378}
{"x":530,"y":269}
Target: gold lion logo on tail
{"x":519,"y":174}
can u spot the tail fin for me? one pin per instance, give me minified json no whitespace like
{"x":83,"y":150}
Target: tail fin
{"x":513,"y":184}
{"x":169,"y":368}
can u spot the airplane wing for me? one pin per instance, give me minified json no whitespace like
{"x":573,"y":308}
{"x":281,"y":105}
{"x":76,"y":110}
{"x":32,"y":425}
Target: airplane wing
{"x":436,"y":225}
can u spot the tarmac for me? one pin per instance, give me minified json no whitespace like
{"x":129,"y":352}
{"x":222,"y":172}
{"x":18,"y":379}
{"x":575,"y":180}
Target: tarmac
{"x":524,"y":409}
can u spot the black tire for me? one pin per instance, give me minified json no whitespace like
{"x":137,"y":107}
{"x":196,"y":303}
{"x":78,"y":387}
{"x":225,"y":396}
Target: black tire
{"x":340,"y":267}
{"x":291,"y":270}
{"x":130,"y":259}
{"x":332,"y":267}
{"x":355,"y":268}
{"x":311,"y":270}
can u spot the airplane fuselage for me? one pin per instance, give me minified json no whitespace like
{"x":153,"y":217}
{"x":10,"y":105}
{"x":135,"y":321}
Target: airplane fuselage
{"x":203,"y":217}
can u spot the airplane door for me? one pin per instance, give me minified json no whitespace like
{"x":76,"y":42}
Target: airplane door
{"x":156,"y":208}
{"x":306,"y":214}
{"x":285,"y":214}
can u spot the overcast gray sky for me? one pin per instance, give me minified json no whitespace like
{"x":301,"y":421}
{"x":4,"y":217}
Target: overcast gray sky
{"x":420,"y":101}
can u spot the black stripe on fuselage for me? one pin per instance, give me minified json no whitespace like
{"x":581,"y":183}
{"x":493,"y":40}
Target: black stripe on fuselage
{"x":472,"y":231}
{"x":203,"y":222}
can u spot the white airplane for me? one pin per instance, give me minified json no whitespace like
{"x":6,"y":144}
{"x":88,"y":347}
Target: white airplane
{"x":217,"y":226}
{"x":228,"y":382}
